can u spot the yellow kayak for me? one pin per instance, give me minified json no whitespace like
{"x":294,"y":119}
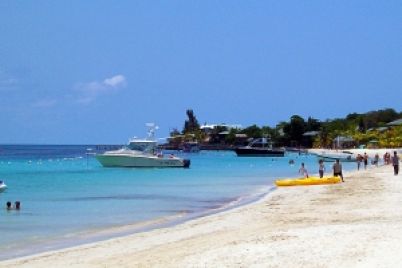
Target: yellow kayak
{"x":308,"y":181}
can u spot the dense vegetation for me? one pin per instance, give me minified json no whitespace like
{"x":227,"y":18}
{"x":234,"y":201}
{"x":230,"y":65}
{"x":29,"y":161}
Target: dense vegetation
{"x":365,"y":129}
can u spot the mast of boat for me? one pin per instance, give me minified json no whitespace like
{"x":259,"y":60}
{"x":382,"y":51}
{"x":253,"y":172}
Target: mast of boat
{"x":88,"y":152}
{"x":151,"y":130}
{"x":266,"y":141}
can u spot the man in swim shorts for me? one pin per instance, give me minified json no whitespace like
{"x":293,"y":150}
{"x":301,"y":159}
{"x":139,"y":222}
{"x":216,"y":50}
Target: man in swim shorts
{"x":337,"y":167}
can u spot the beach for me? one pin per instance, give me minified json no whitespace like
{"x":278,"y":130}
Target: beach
{"x":352,"y":224}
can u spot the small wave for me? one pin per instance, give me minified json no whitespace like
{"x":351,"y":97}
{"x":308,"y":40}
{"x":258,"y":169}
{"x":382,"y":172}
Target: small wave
{"x":129,"y":197}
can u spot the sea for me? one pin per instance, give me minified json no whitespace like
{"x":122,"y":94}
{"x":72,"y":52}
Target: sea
{"x":67,"y":198}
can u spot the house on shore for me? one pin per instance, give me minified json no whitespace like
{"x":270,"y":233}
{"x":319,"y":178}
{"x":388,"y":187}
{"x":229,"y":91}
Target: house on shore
{"x":343,"y":142}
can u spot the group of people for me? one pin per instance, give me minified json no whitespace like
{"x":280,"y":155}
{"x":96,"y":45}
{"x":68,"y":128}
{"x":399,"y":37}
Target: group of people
{"x":388,"y":159}
{"x":362,"y":158}
{"x":17,"y":205}
{"x":336,"y":167}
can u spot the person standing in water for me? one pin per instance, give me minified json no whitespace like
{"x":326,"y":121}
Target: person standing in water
{"x":321,"y":168}
{"x":376,"y":160}
{"x":359,"y":160}
{"x":365,"y":160}
{"x":303,"y":171}
{"x":337,"y":168}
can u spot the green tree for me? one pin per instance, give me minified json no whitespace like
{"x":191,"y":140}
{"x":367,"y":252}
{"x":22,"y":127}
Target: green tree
{"x":295,"y":129}
{"x":312,"y":124}
{"x":252,"y":131}
{"x":231,"y":137}
{"x":191,"y":125}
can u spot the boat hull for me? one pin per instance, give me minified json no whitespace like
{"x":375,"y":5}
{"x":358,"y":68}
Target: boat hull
{"x":139,"y":161}
{"x":308,"y":181}
{"x":257,"y":152}
{"x":334,"y":158}
{"x":3,"y":187}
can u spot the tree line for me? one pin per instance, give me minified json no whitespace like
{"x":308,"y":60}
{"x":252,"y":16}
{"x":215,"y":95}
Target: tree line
{"x":311,"y":132}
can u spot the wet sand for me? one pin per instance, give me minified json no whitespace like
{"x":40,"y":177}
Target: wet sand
{"x":354,"y":224}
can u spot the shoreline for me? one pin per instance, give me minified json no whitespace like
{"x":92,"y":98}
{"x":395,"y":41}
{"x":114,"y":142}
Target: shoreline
{"x":101,"y":234}
{"x":334,"y":225}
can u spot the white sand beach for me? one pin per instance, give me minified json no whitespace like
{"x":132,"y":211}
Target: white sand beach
{"x":354,"y":224}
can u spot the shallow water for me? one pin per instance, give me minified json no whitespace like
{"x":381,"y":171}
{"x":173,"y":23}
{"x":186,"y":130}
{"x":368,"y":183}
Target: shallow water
{"x":67,"y":197}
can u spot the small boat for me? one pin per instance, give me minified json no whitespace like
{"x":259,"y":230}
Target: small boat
{"x":333,"y":157}
{"x":3,"y":186}
{"x":259,"y":147}
{"x":296,"y":150}
{"x":141,"y":153}
{"x":308,"y":181}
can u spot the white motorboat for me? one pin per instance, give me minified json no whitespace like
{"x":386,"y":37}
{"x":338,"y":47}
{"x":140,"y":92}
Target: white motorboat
{"x":343,"y":156}
{"x":141,"y":153}
{"x":3,"y":186}
{"x":132,"y":158}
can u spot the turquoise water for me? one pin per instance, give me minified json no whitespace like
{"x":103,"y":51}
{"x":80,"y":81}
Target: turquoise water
{"x":68,"y":198}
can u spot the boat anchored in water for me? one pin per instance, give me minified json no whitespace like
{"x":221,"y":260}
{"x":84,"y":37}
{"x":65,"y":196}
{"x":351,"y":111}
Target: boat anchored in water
{"x":3,"y":186}
{"x":259,"y":147}
{"x":141,"y":153}
{"x":343,"y":156}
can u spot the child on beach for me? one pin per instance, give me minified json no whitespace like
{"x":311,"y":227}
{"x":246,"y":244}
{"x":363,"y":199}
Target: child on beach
{"x":303,"y":171}
{"x":321,"y":168}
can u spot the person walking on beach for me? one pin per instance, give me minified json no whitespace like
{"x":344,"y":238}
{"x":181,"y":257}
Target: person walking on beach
{"x":337,"y":168}
{"x":359,"y":160}
{"x":303,"y":171}
{"x":365,"y":159}
{"x":388,"y":158}
{"x":395,"y":163}
{"x":321,"y":168}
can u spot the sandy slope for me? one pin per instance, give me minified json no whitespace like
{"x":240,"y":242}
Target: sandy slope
{"x":354,"y":224}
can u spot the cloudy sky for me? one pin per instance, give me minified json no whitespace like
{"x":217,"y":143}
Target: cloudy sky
{"x":77,"y":72}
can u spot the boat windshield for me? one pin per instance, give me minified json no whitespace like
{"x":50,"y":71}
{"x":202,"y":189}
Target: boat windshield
{"x":261,"y":143}
{"x":148,"y":144}
{"x":142,"y":145}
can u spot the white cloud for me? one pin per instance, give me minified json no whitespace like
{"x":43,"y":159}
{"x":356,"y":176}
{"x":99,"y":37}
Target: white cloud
{"x":44,"y":103}
{"x":91,"y":90}
{"x":115,"y":81}
{"x":7,"y":81}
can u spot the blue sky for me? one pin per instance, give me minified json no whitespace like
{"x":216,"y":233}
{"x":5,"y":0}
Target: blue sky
{"x":76,"y":72}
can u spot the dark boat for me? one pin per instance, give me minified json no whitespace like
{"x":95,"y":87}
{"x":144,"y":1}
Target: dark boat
{"x":260,"y":148}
